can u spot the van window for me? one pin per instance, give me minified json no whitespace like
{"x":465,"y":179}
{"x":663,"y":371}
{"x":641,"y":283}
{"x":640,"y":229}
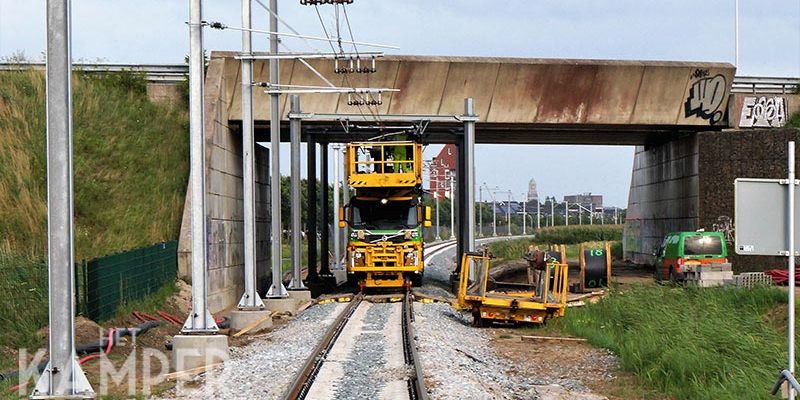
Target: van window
{"x":701,"y":245}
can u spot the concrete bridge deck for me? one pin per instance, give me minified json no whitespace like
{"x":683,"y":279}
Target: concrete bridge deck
{"x":518,"y":100}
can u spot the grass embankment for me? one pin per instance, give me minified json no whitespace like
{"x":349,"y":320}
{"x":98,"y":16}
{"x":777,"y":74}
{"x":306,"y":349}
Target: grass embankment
{"x":130,"y":160}
{"x":716,"y":343}
{"x":572,"y":236}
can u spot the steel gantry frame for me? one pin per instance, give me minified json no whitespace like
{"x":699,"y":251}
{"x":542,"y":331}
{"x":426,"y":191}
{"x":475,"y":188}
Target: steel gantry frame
{"x":465,"y":186}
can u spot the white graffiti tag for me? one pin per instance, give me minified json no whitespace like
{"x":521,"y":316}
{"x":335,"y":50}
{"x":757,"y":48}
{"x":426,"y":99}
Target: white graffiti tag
{"x":706,"y":97}
{"x":763,"y":112}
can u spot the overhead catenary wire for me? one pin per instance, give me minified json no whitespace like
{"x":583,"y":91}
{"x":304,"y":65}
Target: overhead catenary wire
{"x":222,"y":26}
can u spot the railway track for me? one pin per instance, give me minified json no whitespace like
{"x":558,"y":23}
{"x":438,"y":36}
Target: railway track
{"x":343,"y":366}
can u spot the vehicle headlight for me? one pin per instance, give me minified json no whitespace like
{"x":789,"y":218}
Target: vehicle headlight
{"x":411,"y":257}
{"x":357,"y":258}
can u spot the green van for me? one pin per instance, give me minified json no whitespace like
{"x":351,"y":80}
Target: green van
{"x":684,"y":252}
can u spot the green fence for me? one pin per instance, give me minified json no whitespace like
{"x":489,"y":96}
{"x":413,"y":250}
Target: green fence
{"x":103,"y":284}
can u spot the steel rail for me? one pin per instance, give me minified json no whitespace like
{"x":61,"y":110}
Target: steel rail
{"x":416,"y":381}
{"x":302,"y":383}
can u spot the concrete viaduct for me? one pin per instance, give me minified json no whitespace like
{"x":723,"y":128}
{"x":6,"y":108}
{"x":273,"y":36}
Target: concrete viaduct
{"x":663,"y":108}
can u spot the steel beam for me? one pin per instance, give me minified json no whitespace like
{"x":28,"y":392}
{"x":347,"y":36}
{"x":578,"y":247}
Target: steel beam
{"x":294,"y":132}
{"x":63,"y":376}
{"x":199,"y":320}
{"x":276,"y":290}
{"x":325,"y":117}
{"x":311,"y":201}
{"x":250,"y":298}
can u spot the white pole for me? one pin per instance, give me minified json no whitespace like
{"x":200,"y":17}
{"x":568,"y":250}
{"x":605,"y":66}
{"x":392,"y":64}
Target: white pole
{"x":494,"y":214}
{"x":452,"y":211}
{"x":480,"y":211}
{"x":791,"y":263}
{"x":591,"y":214}
{"x":524,"y":214}
{"x":436,"y":198}
{"x":736,"y":35}
{"x":552,"y":212}
{"x":508,"y":213}
{"x":538,"y":214}
{"x":616,"y":215}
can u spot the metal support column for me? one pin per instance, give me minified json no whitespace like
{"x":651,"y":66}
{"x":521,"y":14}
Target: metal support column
{"x":480,"y":211}
{"x":466,"y":180}
{"x":276,"y":290}
{"x":325,"y":210}
{"x":538,"y":214}
{"x":453,"y":204}
{"x":63,"y":376}
{"x":508,"y":213}
{"x":566,"y":213}
{"x":250,"y":298}
{"x":311,"y":204}
{"x":294,"y":130}
{"x":790,"y":227}
{"x":335,"y":224}
{"x":199,"y":320}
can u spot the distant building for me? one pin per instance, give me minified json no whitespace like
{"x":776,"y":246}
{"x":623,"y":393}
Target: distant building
{"x":442,"y":168}
{"x":533,"y":194}
{"x":586,"y":200}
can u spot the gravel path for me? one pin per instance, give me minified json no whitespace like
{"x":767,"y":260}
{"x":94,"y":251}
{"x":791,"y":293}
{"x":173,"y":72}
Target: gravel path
{"x":266,"y":368}
{"x":460,"y":362}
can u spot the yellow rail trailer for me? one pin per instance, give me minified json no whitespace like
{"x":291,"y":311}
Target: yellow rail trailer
{"x":548,"y":299}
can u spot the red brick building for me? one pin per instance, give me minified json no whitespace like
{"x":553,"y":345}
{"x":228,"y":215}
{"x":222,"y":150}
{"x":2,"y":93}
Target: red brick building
{"x":442,"y":167}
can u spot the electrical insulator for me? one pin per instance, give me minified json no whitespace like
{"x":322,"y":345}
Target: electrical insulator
{"x":349,"y":65}
{"x":359,"y":100}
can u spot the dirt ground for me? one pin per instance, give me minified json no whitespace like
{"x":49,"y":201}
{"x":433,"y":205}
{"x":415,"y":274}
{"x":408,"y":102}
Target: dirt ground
{"x":622,"y":273}
{"x":595,"y":368}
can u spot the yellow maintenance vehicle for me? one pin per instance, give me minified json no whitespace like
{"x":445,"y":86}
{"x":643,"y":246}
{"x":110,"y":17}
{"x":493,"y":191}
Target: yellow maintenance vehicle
{"x":536,"y":303}
{"x":385,"y":218}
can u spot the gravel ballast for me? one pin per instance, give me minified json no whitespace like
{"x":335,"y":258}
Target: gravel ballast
{"x":264,"y":369}
{"x":460,"y":362}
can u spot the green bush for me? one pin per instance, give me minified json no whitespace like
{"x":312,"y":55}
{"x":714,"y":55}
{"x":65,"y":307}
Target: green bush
{"x":23,"y":306}
{"x":690,"y":343}
{"x":579,"y":234}
{"x":794,"y":121}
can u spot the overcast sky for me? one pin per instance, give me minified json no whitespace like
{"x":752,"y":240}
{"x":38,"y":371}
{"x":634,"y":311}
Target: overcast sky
{"x":153,"y":31}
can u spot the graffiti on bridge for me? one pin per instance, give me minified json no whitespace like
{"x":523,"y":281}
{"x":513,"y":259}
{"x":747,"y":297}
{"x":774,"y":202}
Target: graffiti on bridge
{"x":706,"y":96}
{"x":763,"y":112}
